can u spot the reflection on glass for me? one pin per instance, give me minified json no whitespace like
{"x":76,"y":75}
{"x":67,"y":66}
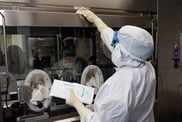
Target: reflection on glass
{"x":43,"y":52}
{"x":62,"y":52}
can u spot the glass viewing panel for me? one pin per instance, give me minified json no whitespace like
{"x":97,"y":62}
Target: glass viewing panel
{"x":62,"y":52}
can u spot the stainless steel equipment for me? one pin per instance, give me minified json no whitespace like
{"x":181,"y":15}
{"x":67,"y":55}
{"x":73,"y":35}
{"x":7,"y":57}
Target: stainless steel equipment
{"x":52,"y":38}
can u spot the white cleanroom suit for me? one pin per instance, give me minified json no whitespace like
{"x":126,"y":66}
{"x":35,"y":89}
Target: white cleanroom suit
{"x":129,"y":94}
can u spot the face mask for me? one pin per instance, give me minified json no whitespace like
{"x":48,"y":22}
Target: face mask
{"x":116,"y":56}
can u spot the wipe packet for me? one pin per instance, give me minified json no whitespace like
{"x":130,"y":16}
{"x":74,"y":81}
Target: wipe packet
{"x":61,"y":89}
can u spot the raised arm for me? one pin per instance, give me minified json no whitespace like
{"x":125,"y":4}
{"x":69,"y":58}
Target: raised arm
{"x":92,"y":18}
{"x":105,"y":30}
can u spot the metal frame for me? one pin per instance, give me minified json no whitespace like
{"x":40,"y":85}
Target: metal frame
{"x":135,"y":5}
{"x":65,"y":19}
{"x":6,"y":61}
{"x":62,"y":13}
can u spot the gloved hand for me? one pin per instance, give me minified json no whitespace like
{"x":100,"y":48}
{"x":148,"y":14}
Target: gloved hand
{"x":72,"y":99}
{"x":93,"y":18}
{"x":75,"y":102}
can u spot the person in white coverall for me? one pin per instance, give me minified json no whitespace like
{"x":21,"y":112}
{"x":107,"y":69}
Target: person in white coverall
{"x":129,"y":94}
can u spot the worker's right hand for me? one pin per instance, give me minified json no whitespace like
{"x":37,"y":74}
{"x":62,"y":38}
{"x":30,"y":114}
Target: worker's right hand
{"x":91,"y":17}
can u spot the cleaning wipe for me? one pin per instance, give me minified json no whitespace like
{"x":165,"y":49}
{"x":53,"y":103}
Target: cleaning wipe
{"x":61,"y":89}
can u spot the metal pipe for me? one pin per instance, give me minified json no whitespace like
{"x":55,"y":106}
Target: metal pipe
{"x":1,"y":112}
{"x":6,"y":61}
{"x":5,"y":43}
{"x":58,"y":50}
{"x":154,"y":58}
{"x":152,"y":33}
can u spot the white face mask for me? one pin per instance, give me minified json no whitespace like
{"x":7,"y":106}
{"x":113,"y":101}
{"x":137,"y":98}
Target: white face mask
{"x":119,"y":59}
{"x":116,"y":56}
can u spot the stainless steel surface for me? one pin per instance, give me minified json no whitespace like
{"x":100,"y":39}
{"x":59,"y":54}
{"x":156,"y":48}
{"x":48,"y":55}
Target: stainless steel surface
{"x":42,"y":12}
{"x":34,"y":118}
{"x":65,"y":19}
{"x":133,"y":5}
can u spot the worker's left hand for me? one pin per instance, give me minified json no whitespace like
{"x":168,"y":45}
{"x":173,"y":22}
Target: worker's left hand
{"x":72,"y":100}
{"x":77,"y":104}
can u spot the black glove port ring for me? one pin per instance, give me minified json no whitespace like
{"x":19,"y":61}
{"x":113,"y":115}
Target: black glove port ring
{"x":95,"y":72}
